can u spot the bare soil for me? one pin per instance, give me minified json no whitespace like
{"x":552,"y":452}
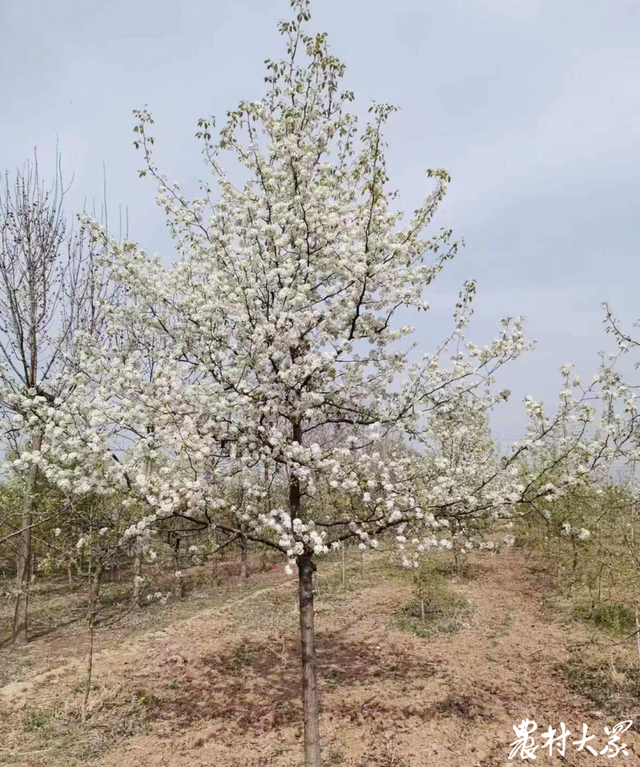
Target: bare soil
{"x":221,"y":686}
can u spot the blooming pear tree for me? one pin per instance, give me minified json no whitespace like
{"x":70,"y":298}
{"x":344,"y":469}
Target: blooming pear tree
{"x":461,"y":448}
{"x":621,"y":415}
{"x":283,"y":369}
{"x":621,"y":423}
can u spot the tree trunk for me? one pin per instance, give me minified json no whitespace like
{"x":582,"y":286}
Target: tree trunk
{"x":244,"y":573}
{"x":344,"y":572}
{"x":20,"y":617}
{"x":94,"y":592}
{"x":310,"y":698}
{"x":179,"y":584}
{"x":137,"y":569}
{"x":95,"y":581}
{"x":306,"y":569}
{"x":34,"y":565}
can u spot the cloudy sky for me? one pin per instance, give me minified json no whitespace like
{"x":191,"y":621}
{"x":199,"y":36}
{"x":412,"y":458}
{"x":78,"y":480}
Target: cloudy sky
{"x":532,"y":105}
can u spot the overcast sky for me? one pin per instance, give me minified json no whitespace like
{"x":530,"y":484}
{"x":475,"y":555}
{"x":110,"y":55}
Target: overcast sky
{"x":532,"y":105}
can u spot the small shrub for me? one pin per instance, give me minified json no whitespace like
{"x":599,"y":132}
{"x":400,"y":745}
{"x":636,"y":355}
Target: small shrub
{"x":436,"y":609}
{"x":449,"y":619}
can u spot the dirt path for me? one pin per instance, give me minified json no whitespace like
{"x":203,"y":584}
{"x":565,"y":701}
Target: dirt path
{"x":221,"y":688}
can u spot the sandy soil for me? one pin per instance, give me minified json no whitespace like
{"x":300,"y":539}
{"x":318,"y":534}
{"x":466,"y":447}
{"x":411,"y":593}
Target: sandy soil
{"x":221,"y":687}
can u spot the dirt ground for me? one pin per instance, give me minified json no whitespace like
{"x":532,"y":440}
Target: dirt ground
{"x":221,"y":687}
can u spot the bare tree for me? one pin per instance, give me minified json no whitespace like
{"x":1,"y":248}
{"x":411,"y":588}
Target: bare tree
{"x":50,"y":287}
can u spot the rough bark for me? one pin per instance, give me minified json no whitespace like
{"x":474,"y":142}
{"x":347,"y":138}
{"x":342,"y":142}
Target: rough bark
{"x":306,"y":569}
{"x":310,"y":697}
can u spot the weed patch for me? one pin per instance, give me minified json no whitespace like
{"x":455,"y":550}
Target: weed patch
{"x":615,"y":617}
{"x":614,"y":689}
